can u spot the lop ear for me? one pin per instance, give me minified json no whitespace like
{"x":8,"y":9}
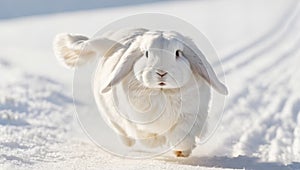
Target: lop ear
{"x":73,"y":50}
{"x":200,"y":65}
{"x":123,"y":67}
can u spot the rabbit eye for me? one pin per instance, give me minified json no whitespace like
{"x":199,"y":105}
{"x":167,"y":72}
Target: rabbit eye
{"x":178,"y":53}
{"x":146,"y":54}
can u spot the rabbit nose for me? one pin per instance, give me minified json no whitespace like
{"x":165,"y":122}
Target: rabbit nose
{"x":161,"y":73}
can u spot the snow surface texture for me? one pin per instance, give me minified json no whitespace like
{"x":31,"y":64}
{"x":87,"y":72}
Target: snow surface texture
{"x":258,"y":45}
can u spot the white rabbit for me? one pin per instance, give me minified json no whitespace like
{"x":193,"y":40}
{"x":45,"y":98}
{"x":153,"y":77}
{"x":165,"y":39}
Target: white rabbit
{"x":151,"y":86}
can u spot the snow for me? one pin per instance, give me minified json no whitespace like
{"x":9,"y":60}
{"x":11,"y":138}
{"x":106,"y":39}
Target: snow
{"x":258,"y":44}
{"x":26,"y":8}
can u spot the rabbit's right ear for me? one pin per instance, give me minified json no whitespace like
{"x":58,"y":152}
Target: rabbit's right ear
{"x":123,"y":67}
{"x":74,"y":50}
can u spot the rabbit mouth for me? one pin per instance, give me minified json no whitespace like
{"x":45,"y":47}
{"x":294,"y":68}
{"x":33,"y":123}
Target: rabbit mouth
{"x":162,"y":84}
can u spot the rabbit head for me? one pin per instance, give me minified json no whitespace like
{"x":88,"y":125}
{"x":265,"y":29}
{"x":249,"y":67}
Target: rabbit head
{"x":161,"y":59}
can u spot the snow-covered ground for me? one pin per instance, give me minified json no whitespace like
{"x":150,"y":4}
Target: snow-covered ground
{"x":258,"y":43}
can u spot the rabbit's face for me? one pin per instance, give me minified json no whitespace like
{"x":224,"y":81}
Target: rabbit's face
{"x":163,"y":64}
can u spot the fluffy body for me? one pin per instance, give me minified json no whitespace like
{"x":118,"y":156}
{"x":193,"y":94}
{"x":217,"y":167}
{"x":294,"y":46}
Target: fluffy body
{"x":151,"y":86}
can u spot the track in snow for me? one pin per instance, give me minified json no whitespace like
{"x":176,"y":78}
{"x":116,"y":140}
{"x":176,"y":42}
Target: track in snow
{"x":268,"y":106}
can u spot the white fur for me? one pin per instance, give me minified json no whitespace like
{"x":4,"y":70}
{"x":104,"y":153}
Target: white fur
{"x":145,"y":90}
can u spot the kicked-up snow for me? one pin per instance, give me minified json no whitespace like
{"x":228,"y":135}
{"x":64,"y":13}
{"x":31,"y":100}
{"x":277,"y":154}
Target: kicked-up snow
{"x":258,"y":45}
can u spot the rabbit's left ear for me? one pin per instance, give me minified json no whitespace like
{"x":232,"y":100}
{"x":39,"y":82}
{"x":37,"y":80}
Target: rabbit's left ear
{"x":73,"y":50}
{"x":123,"y":67}
{"x":200,"y":65}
